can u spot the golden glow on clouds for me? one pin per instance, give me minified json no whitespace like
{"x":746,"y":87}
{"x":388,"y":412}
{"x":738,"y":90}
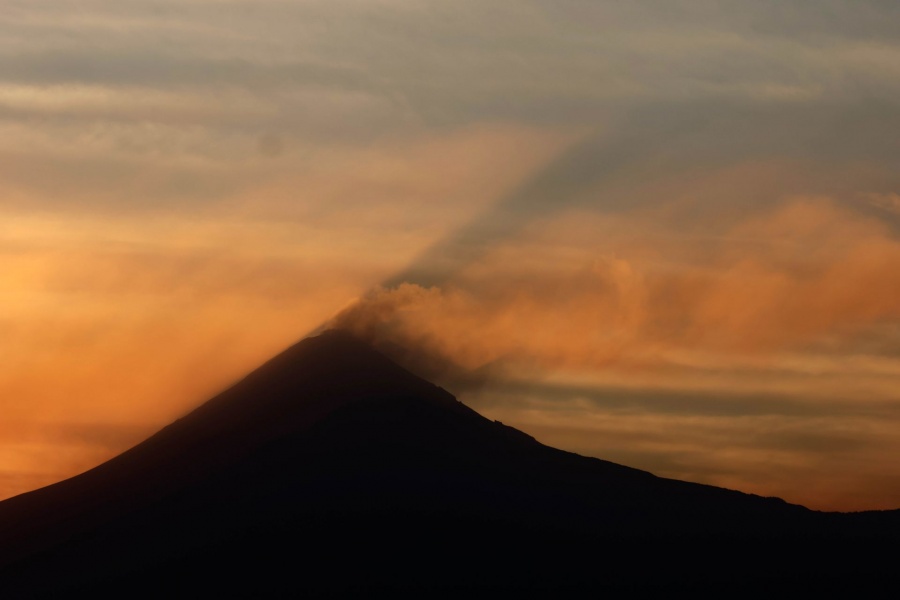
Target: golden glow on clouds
{"x":773,"y":283}
{"x":664,"y":233}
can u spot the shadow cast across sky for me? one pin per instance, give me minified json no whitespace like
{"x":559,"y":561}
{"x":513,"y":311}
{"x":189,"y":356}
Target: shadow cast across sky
{"x":658,"y":141}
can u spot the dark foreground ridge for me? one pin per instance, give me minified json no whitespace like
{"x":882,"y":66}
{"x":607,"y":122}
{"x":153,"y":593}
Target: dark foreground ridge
{"x":330,"y":469}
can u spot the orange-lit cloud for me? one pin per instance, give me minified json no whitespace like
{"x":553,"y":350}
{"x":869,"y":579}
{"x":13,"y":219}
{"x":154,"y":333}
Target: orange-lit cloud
{"x":777,"y":282}
{"x":672,"y":204}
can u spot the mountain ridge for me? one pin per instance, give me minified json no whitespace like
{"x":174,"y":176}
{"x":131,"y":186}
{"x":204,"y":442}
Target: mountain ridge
{"x":329,"y":441}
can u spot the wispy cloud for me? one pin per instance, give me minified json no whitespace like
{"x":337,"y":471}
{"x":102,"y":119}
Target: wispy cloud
{"x":668,"y":199}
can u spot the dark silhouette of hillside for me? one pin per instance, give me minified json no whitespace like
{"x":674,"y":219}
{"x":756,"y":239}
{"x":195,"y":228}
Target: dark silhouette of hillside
{"x":332,"y":470}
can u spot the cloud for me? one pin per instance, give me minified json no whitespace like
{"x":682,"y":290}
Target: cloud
{"x":771,"y":285}
{"x":640,"y":160}
{"x":888,"y":202}
{"x":675,"y":197}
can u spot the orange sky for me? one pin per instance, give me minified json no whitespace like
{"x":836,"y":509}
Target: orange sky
{"x":661,"y":233}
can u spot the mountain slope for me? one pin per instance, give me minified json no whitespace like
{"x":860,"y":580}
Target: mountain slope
{"x":332,"y":468}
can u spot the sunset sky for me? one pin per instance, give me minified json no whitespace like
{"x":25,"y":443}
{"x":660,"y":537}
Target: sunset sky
{"x":661,"y":232}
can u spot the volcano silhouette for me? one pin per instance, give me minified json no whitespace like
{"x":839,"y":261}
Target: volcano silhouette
{"x":331,"y":469}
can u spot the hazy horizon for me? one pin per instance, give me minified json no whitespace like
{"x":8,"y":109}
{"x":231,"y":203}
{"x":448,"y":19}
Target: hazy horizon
{"x":662,"y":233}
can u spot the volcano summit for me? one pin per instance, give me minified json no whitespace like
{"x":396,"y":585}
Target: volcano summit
{"x":331,"y":469}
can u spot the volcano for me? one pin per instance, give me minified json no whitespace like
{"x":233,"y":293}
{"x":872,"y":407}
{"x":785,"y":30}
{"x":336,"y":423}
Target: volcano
{"x":331,"y":469}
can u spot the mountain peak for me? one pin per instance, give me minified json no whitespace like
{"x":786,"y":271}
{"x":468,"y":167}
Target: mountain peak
{"x":333,"y":352}
{"x":304,"y":384}
{"x":284,"y":398}
{"x":333,"y":447}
